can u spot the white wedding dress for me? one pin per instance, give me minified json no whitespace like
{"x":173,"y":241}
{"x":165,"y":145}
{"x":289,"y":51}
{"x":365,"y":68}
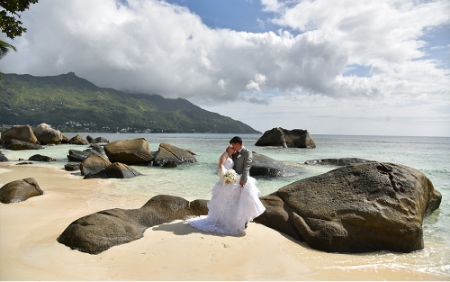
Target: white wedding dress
{"x":231,"y":206}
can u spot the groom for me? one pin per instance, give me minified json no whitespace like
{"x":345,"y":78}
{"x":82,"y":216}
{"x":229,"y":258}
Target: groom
{"x":242,"y":159}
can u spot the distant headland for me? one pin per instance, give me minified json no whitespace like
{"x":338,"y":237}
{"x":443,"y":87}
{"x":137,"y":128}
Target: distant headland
{"x":73,"y":104}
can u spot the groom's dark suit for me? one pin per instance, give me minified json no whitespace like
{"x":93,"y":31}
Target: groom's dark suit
{"x":242,"y":163}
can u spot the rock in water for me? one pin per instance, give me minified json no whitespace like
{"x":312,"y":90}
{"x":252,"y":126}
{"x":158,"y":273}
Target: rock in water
{"x":170,"y":156}
{"x":129,"y":152}
{"x":47,"y":135}
{"x":268,"y":167}
{"x":337,"y":162}
{"x":280,"y":137}
{"x":115,"y":170}
{"x":19,"y":132}
{"x":3,"y":158}
{"x":78,"y":140}
{"x":17,"y":145}
{"x":41,"y":158}
{"x":356,"y":208}
{"x":93,"y":164}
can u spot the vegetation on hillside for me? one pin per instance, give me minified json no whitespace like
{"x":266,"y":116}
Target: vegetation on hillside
{"x":70,"y":103}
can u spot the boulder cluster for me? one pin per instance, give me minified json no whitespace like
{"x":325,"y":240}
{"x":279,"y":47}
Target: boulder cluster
{"x":360,"y":206}
{"x":353,"y":209}
{"x":24,"y":137}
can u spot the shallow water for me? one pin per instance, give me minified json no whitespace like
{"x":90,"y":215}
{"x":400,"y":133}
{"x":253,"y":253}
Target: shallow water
{"x":431,"y":155}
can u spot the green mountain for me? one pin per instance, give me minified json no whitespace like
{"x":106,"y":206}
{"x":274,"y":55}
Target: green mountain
{"x":70,"y":103}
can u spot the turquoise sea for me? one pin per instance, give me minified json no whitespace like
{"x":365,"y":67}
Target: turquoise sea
{"x":431,"y":155}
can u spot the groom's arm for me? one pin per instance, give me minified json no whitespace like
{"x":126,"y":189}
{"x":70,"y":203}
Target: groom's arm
{"x":247,"y":154}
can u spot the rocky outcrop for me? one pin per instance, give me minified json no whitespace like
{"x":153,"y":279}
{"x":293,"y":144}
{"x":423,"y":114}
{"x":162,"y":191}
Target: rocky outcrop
{"x":267,"y":167}
{"x":115,"y":170}
{"x":93,"y":164}
{"x":17,"y":145}
{"x":170,"y":156}
{"x":19,"y":191}
{"x":129,"y":152}
{"x":280,"y":137}
{"x":3,"y":158}
{"x":97,"y":149}
{"x":24,"y":163}
{"x":79,"y":156}
{"x":19,"y":132}
{"x":41,"y":158}
{"x":78,"y":140}
{"x":45,"y":134}
{"x":337,"y":162}
{"x":356,"y":208}
{"x":72,"y":167}
{"x":100,"y":231}
{"x":96,"y":140}
{"x":65,"y":139}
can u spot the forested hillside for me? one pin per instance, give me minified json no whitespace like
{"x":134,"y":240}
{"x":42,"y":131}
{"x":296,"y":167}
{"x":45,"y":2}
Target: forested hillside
{"x":70,"y":103}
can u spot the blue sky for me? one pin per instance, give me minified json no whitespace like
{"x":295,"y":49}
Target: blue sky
{"x":239,"y":15}
{"x":350,"y":67}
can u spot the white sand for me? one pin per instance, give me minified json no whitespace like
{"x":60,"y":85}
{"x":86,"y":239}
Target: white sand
{"x":173,"y":251}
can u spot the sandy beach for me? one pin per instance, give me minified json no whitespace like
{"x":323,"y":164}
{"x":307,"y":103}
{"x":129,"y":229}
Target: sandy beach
{"x":172,"y":251}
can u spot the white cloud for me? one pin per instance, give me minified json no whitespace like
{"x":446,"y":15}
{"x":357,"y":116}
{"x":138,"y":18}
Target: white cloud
{"x":260,"y":23}
{"x":256,"y":83}
{"x":155,"y":47}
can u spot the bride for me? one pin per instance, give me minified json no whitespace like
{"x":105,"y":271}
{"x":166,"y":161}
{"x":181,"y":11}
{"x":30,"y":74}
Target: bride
{"x":231,"y":205}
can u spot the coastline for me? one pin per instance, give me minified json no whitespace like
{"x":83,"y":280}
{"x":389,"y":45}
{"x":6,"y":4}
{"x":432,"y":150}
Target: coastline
{"x":172,"y":251}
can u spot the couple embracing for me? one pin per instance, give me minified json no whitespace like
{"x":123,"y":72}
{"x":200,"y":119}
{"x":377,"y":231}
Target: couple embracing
{"x":234,"y":200}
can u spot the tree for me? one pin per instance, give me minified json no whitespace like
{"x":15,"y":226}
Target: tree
{"x":9,"y":17}
{"x":5,"y":47}
{"x":10,"y":24}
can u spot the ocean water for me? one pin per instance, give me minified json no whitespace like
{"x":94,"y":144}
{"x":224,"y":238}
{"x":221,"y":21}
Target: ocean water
{"x":431,"y":155}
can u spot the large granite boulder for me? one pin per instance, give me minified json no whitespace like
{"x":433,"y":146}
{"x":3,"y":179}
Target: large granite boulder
{"x":337,"y":162}
{"x":169,"y":154}
{"x":115,"y":170}
{"x":19,"y":190}
{"x":267,"y":167}
{"x":129,"y":152}
{"x":17,"y":145}
{"x":93,"y":164}
{"x":41,"y":158}
{"x":100,"y":231}
{"x":19,"y":132}
{"x":78,"y":140}
{"x":356,"y":208}
{"x":45,"y":134}
{"x":281,"y":137}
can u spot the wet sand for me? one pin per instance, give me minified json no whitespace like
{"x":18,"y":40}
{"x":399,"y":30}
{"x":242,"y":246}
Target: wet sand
{"x":172,"y":251}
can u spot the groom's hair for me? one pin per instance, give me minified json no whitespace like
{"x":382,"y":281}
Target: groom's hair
{"x":236,"y":139}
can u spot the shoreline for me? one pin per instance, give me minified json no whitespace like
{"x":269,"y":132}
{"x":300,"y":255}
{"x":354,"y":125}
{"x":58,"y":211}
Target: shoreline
{"x":172,"y":251}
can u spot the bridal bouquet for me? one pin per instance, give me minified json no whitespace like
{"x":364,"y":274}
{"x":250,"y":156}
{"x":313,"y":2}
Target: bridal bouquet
{"x":230,"y":175}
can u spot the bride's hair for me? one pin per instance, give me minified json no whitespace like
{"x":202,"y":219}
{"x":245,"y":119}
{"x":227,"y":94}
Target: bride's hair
{"x":229,"y":147}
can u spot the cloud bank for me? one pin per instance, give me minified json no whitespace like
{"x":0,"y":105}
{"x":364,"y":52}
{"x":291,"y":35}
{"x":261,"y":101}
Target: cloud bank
{"x":158,"y":47}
